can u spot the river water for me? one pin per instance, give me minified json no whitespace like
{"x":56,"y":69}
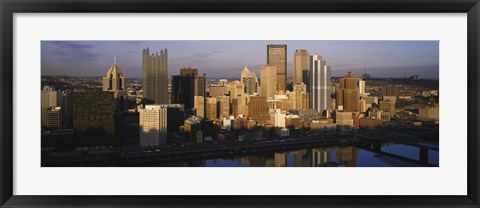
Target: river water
{"x":319,"y":157}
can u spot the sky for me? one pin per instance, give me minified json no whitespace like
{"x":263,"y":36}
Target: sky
{"x":226,"y":58}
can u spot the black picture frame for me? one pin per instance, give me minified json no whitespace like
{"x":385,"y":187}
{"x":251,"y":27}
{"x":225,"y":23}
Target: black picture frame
{"x":9,"y":7}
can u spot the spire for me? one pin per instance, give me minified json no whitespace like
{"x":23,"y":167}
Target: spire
{"x":114,"y":59}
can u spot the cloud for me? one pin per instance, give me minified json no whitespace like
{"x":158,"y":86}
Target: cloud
{"x":71,"y":45}
{"x":73,"y":53}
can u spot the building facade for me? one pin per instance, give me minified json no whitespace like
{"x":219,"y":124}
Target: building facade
{"x":277,"y":57}
{"x":347,"y":96}
{"x":155,"y":76}
{"x":320,"y":84}
{"x":153,"y":126}
{"x":249,"y":80}
{"x":94,"y":111}
{"x":300,"y":64}
{"x":268,"y":81}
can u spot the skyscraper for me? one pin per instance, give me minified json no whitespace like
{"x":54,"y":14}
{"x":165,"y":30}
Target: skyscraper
{"x":268,"y":81}
{"x":361,"y":86}
{"x":153,"y":126}
{"x":155,"y":77}
{"x":347,"y":94}
{"x":235,"y":89}
{"x":114,"y":81}
{"x":320,"y":84}
{"x":302,"y":97}
{"x":94,"y":111}
{"x":50,"y":98}
{"x":258,"y":109}
{"x":300,"y":63}
{"x":199,"y":105}
{"x":277,"y":57}
{"x":216,"y":90}
{"x":200,"y":85}
{"x":249,"y":80}
{"x":187,"y":85}
{"x":211,"y":109}
{"x":223,"y":107}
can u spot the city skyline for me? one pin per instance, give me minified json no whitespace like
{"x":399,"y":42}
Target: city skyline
{"x":223,"y":59}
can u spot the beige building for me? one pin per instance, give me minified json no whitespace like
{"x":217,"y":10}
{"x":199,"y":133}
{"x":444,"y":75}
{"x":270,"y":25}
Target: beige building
{"x":344,"y":119}
{"x":50,"y":98}
{"x":388,"y":106}
{"x":300,"y":63}
{"x":211,"y":111}
{"x":216,"y":90}
{"x":155,"y":77}
{"x":223,"y":106}
{"x":235,"y":89}
{"x":429,"y":113}
{"x":277,"y":57}
{"x":242,"y":103}
{"x":114,"y":81}
{"x":302,"y":99}
{"x":268,"y":78}
{"x":153,"y":126}
{"x":199,"y":105}
{"x":249,"y":80}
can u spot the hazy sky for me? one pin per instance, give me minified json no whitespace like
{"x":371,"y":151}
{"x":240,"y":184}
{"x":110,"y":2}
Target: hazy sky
{"x":227,"y":58}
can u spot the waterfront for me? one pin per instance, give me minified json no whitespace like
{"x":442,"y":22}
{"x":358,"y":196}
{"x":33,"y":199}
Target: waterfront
{"x":317,"y":157}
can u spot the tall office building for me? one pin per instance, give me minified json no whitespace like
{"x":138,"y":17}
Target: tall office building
{"x":211,"y":109}
{"x":258,"y":109}
{"x":54,"y":117}
{"x":114,"y":81}
{"x":347,"y":93}
{"x":300,"y":63}
{"x":277,"y":57}
{"x":94,"y":111}
{"x":216,"y":90}
{"x":200,"y":85}
{"x":186,"y":86}
{"x":249,"y":80}
{"x":153,"y":126}
{"x":50,"y":98}
{"x":361,"y":86}
{"x":155,"y":77}
{"x":223,"y":107}
{"x":235,"y":89}
{"x":268,"y":81}
{"x":302,"y":99}
{"x":199,"y":105}
{"x":320,"y":84}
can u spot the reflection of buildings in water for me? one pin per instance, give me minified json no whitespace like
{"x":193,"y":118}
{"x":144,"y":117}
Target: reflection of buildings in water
{"x":258,"y":161}
{"x":347,"y":156}
{"x":196,"y":163}
{"x":280,"y":159}
{"x":301,"y":158}
{"x":320,"y":157}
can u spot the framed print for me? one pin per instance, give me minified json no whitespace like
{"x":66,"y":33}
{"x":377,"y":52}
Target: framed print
{"x":247,"y":104}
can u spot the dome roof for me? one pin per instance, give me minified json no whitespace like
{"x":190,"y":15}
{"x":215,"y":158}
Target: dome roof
{"x":115,"y":71}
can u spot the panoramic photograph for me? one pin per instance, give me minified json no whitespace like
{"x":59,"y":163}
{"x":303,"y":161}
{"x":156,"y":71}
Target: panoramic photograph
{"x":240,"y":103}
